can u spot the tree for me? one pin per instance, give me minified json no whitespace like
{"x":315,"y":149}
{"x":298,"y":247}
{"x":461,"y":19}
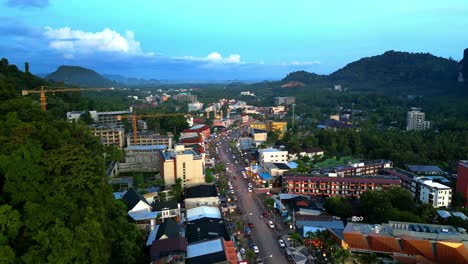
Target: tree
{"x":269,"y":201}
{"x":251,"y":256}
{"x":177,"y":189}
{"x":338,"y":206}
{"x":295,"y":237}
{"x":341,"y":255}
{"x":458,"y":199}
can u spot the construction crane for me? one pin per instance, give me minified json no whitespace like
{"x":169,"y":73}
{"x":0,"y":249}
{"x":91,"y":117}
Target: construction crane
{"x":55,"y":89}
{"x":134,"y":117}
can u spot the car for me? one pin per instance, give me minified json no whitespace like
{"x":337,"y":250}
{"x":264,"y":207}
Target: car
{"x":242,"y":251}
{"x":245,"y":176}
{"x":250,"y":225}
{"x":281,"y":243}
{"x":249,"y":189}
{"x":265,"y":214}
{"x":250,"y":184}
{"x":255,"y":249}
{"x":270,"y":223}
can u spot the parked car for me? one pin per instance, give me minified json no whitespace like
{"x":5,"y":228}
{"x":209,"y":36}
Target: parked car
{"x":250,"y":225}
{"x":255,"y":249}
{"x":270,"y":223}
{"x":242,"y":251}
{"x":265,"y":214}
{"x":281,"y":243}
{"x":249,"y":189}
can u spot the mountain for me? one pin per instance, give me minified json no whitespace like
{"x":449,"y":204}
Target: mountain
{"x":79,"y":76}
{"x":390,"y":68}
{"x":463,"y":73}
{"x":131,"y":81}
{"x":304,"y":77}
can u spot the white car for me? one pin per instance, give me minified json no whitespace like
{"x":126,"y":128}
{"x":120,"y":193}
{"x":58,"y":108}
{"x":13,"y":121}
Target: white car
{"x":281,"y":243}
{"x":270,"y":223}
{"x":249,"y":189}
{"x":242,"y":251}
{"x":250,"y":185}
{"x":245,"y":176}
{"x":255,"y":249}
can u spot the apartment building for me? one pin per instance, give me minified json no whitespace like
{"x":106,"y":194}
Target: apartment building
{"x":111,"y":117}
{"x":281,"y":127}
{"x":434,"y":193}
{"x":462,"y":179}
{"x":322,"y":185}
{"x":415,"y":120}
{"x":182,"y":163}
{"x":371,"y":167}
{"x":191,"y":98}
{"x":199,"y":129}
{"x":149,"y":139}
{"x":110,"y":135}
{"x":272,"y":155}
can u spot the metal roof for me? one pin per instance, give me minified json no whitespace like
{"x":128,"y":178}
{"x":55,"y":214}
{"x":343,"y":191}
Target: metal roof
{"x":204,"y":248}
{"x":202,"y":212}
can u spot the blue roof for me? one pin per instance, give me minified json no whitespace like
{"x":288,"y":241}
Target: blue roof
{"x":204,"y":248}
{"x":143,"y":215}
{"x":292,"y":165}
{"x":152,"y":236}
{"x":150,"y":147}
{"x":265,"y":176}
{"x":425,"y":168}
{"x":443,"y":213}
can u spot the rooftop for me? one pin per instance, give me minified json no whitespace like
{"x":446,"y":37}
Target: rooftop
{"x":168,"y":245}
{"x":199,"y":191}
{"x":270,"y":150}
{"x":205,"y":229}
{"x":424,"y":169}
{"x":161,"y":205}
{"x":203,"y":212}
{"x":150,"y":147}
{"x":211,"y":251}
{"x":382,"y":179}
{"x":434,"y":185}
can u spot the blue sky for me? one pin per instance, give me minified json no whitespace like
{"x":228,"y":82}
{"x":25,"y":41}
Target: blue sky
{"x":224,"y":40}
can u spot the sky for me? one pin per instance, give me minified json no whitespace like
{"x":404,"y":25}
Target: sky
{"x":224,"y":39}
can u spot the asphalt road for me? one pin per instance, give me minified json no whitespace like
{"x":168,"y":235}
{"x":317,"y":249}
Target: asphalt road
{"x":262,"y":235}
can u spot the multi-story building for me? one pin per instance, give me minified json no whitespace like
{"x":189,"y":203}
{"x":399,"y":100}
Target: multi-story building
{"x":407,"y":242}
{"x":258,"y":125}
{"x":462,"y":179}
{"x":182,"y":163}
{"x":196,"y":106}
{"x":415,"y":120}
{"x":185,"y":98}
{"x":322,"y":185}
{"x":110,"y":135}
{"x":434,"y":193}
{"x":149,"y":139}
{"x":199,"y":129}
{"x":259,"y":136}
{"x":272,"y":155}
{"x":372,"y":167}
{"x":281,"y":127}
{"x":276,"y":110}
{"x":284,"y":100}
{"x":112,"y":117}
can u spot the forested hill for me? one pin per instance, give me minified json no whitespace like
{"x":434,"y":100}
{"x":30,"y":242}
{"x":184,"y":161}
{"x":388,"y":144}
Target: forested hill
{"x":392,"y":68}
{"x":55,"y":203}
{"x":79,"y":76}
{"x":464,"y":67}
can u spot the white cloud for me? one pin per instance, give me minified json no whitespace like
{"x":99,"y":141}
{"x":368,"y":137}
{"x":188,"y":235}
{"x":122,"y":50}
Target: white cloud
{"x":301,"y":63}
{"x":214,"y":57}
{"x":72,"y":42}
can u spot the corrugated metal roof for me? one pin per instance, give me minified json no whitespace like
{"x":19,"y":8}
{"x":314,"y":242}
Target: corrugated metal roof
{"x":204,"y":248}
{"x":203,"y":211}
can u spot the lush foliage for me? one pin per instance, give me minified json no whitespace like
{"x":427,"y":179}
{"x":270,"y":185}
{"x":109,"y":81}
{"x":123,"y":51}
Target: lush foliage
{"x":56,"y":206}
{"x":80,"y":76}
{"x":338,"y":206}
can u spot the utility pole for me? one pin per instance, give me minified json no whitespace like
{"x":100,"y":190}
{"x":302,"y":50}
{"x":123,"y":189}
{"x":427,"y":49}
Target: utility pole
{"x":293,"y":116}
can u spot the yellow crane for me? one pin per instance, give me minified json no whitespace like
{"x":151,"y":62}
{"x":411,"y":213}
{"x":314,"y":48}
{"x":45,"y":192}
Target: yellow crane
{"x":134,"y":117}
{"x":54,"y":89}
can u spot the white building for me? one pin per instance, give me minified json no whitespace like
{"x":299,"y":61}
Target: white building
{"x":196,"y":106}
{"x":416,"y":120}
{"x":272,"y":155}
{"x":435,"y":193}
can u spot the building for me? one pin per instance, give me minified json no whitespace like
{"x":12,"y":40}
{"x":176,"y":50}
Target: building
{"x":259,"y":136}
{"x":415,"y":120}
{"x":191,"y":98}
{"x":284,"y":100}
{"x":199,"y":129}
{"x":203,"y":212}
{"x":277,"y":110}
{"x":139,"y":210}
{"x":76,"y":115}
{"x":201,"y":195}
{"x":462,"y":179}
{"x":257,"y":125}
{"x":144,"y":158}
{"x":407,"y":242}
{"x":167,"y":209}
{"x":110,"y":135}
{"x":332,"y":124}
{"x":425,"y":169}
{"x":182,"y":163}
{"x":434,"y":193}
{"x":206,"y":229}
{"x":171,"y":250}
{"x":149,"y":139}
{"x":194,"y":107}
{"x":371,"y":167}
{"x":211,"y":251}
{"x":247,"y":93}
{"x":276,"y":169}
{"x":322,"y":185}
{"x":281,"y":127}
{"x":272,"y":155}
{"x":112,"y":117}
{"x":311,"y":153}
{"x":314,"y":223}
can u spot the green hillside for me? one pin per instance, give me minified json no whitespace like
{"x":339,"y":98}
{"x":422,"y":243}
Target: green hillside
{"x":79,"y":76}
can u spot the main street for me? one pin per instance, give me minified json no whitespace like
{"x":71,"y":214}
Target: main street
{"x":262,"y":235}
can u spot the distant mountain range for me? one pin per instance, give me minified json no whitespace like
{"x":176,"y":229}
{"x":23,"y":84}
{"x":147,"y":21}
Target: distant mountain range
{"x":390,"y":68}
{"x":131,"y":81}
{"x":79,"y":76}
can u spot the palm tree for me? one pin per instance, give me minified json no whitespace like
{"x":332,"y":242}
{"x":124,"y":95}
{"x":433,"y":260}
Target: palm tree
{"x":250,"y":255}
{"x":342,"y":255}
{"x":295,"y":237}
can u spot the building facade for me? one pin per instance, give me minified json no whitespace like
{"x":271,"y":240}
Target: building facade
{"x":321,"y":185}
{"x":434,"y":193}
{"x":110,"y":135}
{"x":462,"y":179}
{"x":199,"y":129}
{"x":184,"y":164}
{"x":281,"y":127}
{"x":112,"y":117}
{"x":191,"y":98}
{"x":149,"y":139}
{"x":415,"y":120}
{"x":272,"y":155}
{"x":284,"y":100}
